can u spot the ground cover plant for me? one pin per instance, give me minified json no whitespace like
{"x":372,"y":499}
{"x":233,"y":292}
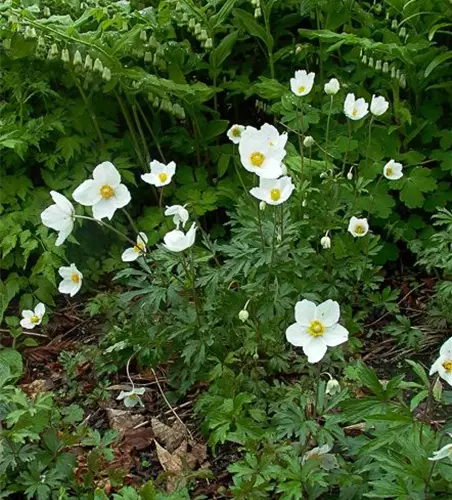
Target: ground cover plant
{"x":226,"y":250}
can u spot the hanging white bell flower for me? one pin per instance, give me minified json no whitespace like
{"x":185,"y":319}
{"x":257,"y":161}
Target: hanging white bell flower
{"x":46,"y":11}
{"x":179,"y":213}
{"x":132,"y":398}
{"x":262,"y":206}
{"x":244,"y":315}
{"x":77,"y":58}
{"x":30,"y":319}
{"x":379,"y":105}
{"x":378,"y":65}
{"x":316,"y":328}
{"x":160,"y":174}
{"x":59,"y":217}
{"x":355,"y":109}
{"x":393,"y":170}
{"x":302,"y":83}
{"x":72,"y":280}
{"x":257,"y":13}
{"x":88,"y":62}
{"x":178,"y":241}
{"x":325,"y":241}
{"x":332,"y":387}
{"x":443,"y":365}
{"x":273,"y":191}
{"x":104,"y":192}
{"x":106,"y":74}
{"x":358,"y":227}
{"x":132,"y":253}
{"x":235,"y":133}
{"x":332,"y":87}
{"x":308,"y":141}
{"x":444,"y":452}
{"x":386,"y":67}
{"x":65,"y":55}
{"x":143,"y":36}
{"x":98,"y":66}
{"x":350,"y":174}
{"x":208,"y":43}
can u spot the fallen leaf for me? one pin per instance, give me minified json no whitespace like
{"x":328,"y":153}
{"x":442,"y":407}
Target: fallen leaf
{"x":136,"y":439}
{"x":171,"y":437}
{"x":122,"y":420}
{"x":172,"y":463}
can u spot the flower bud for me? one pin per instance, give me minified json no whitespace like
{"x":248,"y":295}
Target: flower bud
{"x":350,"y":174}
{"x":332,"y":87}
{"x":203,"y":35}
{"x":397,"y":74}
{"x":148,"y":56}
{"x":386,"y":67}
{"x":394,"y":24}
{"x":41,"y":43}
{"x":393,"y":72}
{"x":156,"y":102}
{"x":402,"y":80}
{"x":402,"y":32}
{"x":185,"y":17}
{"x":308,"y":141}
{"x":209,"y":43}
{"x":332,"y":387}
{"x":257,"y":13}
{"x":98,"y":66}
{"x":326,"y":241}
{"x":387,"y":15}
{"x":77,"y":58}
{"x":65,"y":55}
{"x":262,"y":205}
{"x":88,"y":62}
{"x":364,"y":59}
{"x":323,"y":175}
{"x":378,"y":65}
{"x":30,"y":33}
{"x":298,"y":48}
{"x":197,"y":29}
{"x":361,"y":53}
{"x":371,"y":62}
{"x":106,"y":74}
{"x":304,"y":202}
{"x":191,"y":23}
{"x":46,"y":11}
{"x":244,"y":315}
{"x":53,"y":52}
{"x":143,"y":36}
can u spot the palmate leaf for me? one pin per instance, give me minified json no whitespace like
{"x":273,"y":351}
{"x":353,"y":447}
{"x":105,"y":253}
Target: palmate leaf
{"x":419,"y":182}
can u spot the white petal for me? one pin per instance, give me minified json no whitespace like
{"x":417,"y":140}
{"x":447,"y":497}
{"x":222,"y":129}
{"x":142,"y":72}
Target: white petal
{"x":65,"y":272}
{"x":55,"y":218}
{"x":446,"y":349}
{"x":191,"y":235}
{"x":171,"y":168}
{"x":66,"y":286}
{"x":26,"y":323}
{"x":88,"y":193}
{"x":296,"y":335}
{"x":305,"y":312}
{"x":157,"y":167}
{"x":270,"y":170}
{"x":435,"y":367}
{"x":122,"y":395}
{"x":328,"y":312}
{"x":105,"y":207}
{"x":315,"y":349}
{"x":260,"y":194}
{"x":27,"y":314}
{"x":63,"y":234}
{"x":76,"y":287}
{"x":40,"y":310}
{"x":106,"y":173}
{"x":150,"y":179}
{"x":335,"y":335}
{"x":122,"y":196}
{"x":446,"y":376}
{"x":129,"y":255}
{"x":62,"y":202}
{"x":142,"y":238}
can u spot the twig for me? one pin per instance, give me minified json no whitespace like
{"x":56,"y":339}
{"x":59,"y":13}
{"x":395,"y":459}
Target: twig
{"x":69,"y":331}
{"x":26,"y":332}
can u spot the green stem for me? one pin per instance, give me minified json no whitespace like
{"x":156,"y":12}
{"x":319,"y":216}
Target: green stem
{"x":151,"y":131}
{"x":131,"y":221}
{"x":266,"y":14}
{"x":161,"y":198}
{"x":111,"y":228}
{"x":191,"y":280}
{"x":140,"y":132}
{"x":348,"y":145}
{"x":369,"y":139}
{"x":317,"y":388}
{"x":327,"y":137}
{"x":300,"y":136}
{"x":259,"y":222}
{"x":275,"y":220}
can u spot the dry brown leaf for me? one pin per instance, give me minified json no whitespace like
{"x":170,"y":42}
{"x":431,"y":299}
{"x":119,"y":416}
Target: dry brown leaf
{"x":136,"y":439}
{"x":197,"y":455}
{"x":172,"y":463}
{"x":36,"y":387}
{"x":122,"y":420}
{"x":171,"y":437}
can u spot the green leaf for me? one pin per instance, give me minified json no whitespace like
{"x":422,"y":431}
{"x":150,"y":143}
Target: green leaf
{"x":11,"y":363}
{"x":436,"y":62}
{"x":213,"y":129}
{"x":222,"y":51}
{"x":249,"y":24}
{"x":420,"y":181}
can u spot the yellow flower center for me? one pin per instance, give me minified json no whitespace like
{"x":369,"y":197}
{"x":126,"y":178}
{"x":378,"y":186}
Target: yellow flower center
{"x":301,"y":89}
{"x":257,"y":159}
{"x":354,"y":112}
{"x":106,"y":191}
{"x":132,"y":396}
{"x":316,"y":328}
{"x":389,"y":171}
{"x":236,"y":132}
{"x":359,"y":229}
{"x":139,"y":247}
{"x":163,"y":177}
{"x":75,"y":278}
{"x":35,"y":318}
{"x":447,"y":365}
{"x":275,"y":194}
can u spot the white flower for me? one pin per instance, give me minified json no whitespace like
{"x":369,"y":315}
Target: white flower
{"x":273,"y":191}
{"x":332,"y":87}
{"x":302,"y":83}
{"x":283,"y":169}
{"x":393,"y":170}
{"x":178,"y":241}
{"x":160,"y":174}
{"x":350,"y":174}
{"x":132,"y":253}
{"x":258,"y":156}
{"x":179,"y":213}
{"x":379,"y":105}
{"x":59,"y":216}
{"x":332,"y":387}
{"x":326,"y":241}
{"x":274,"y":139}
{"x":444,"y":452}
{"x":104,"y":192}
{"x":443,"y":365}
{"x":132,"y":398}
{"x":316,"y":328}
{"x":316,"y":453}
{"x":358,"y":227}
{"x":72,"y":280}
{"x":235,"y":133}
{"x":33,"y":318}
{"x":262,"y":205}
{"x":355,"y":109}
{"x":244,"y":315}
{"x":308,"y":141}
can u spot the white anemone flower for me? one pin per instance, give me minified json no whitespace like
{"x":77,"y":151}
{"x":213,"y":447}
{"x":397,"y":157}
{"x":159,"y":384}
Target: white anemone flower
{"x":443,"y":365}
{"x":332,"y":387}
{"x":160,"y":174}
{"x":444,"y":452}
{"x":72,"y":280}
{"x":358,"y":227}
{"x":59,"y":217}
{"x":178,"y":241}
{"x":332,"y":87}
{"x":274,"y":139}
{"x":132,"y":398}
{"x":302,"y":83}
{"x":273,"y":191}
{"x":316,"y":328}
{"x":378,"y":105}
{"x":393,"y":170}
{"x":104,"y":192}
{"x":325,"y":241}
{"x":30,"y":319}
{"x":179,"y":213}
{"x":132,"y":253}
{"x":235,"y":133}
{"x":316,"y":453}
{"x":259,"y":157}
{"x":355,"y":109}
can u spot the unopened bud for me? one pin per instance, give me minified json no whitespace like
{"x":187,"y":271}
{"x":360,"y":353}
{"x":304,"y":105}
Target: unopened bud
{"x":385,"y":67}
{"x":393,"y":72}
{"x":88,"y":62}
{"x":191,"y":23}
{"x":437,"y":390}
{"x":257,"y":13}
{"x":185,"y":17}
{"x":262,"y":205}
{"x":371,"y":62}
{"x":397,"y":74}
{"x":308,"y":141}
{"x":209,"y":43}
{"x":361,"y":53}
{"x":65,"y":55}
{"x":203,"y":35}
{"x":326,"y":241}
{"x":156,"y":102}
{"x":364,"y":59}
{"x":46,"y":11}
{"x":197,"y":29}
{"x":148,"y":56}
{"x":394,"y":24}
{"x":350,"y":174}
{"x":402,"y":80}
{"x":143,"y":36}
{"x":41,"y":43}
{"x":378,"y":65}
{"x":332,"y":387}
{"x":244,"y":315}
{"x":402,"y":32}
{"x":77,"y":58}
{"x":106,"y":74}
{"x":304,"y":202}
{"x":298,"y":49}
{"x":98,"y":66}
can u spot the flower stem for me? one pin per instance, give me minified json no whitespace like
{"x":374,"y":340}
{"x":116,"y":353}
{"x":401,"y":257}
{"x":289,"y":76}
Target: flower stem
{"x":369,"y":139}
{"x":317,"y":388}
{"x":327,"y":136}
{"x":191,"y":279}
{"x":259,"y":223}
{"x":151,"y":131}
{"x":92,"y":219}
{"x":300,"y":136}
{"x":348,"y":145}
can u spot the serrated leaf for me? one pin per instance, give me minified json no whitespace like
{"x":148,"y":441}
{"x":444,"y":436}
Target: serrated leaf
{"x":420,"y":181}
